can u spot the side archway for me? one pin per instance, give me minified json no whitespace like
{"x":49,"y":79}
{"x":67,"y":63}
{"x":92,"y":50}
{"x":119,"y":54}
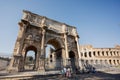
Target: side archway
{"x":54,"y":58}
{"x":72,"y":62}
{"x":30,"y":58}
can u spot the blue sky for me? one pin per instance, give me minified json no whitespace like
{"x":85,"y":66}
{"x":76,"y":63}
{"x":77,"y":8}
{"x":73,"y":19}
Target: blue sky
{"x":97,"y":21}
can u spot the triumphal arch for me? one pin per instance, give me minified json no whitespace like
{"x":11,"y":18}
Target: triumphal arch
{"x":35,"y":33}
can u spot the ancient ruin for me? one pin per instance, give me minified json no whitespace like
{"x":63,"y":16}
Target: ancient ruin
{"x":35,"y":33}
{"x":100,"y":57}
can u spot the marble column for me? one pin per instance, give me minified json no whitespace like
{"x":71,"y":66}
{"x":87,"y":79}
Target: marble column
{"x":74,"y":31}
{"x":37,"y":59}
{"x":42,"y":43}
{"x":66,"y":46}
{"x":63,"y":57}
{"x":42,"y":56}
{"x":78,"y":50}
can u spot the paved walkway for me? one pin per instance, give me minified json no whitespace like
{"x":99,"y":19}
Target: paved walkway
{"x":54,"y":75}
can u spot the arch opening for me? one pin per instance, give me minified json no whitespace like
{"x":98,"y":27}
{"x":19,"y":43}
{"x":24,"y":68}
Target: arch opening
{"x":53,"y":55}
{"x":90,"y":54}
{"x":72,"y":60}
{"x":94,"y":53}
{"x":110,"y":62}
{"x":30,"y":58}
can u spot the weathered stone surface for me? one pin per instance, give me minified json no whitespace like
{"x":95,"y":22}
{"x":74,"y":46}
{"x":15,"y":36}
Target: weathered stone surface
{"x":35,"y":33}
{"x":100,"y":57}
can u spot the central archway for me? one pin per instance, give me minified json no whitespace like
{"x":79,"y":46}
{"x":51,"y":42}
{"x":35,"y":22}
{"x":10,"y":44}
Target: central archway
{"x":54,"y":55}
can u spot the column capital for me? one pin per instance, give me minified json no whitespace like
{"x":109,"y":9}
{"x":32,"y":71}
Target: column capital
{"x":43,"y":31}
{"x":43,"y":22}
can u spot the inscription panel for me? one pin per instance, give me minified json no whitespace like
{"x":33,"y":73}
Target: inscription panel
{"x":53,"y":25}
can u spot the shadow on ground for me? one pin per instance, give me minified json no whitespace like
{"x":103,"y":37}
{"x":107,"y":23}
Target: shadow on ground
{"x":84,"y":76}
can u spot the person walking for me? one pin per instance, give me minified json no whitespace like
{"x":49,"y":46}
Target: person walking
{"x":64,"y":69}
{"x":63,"y":72}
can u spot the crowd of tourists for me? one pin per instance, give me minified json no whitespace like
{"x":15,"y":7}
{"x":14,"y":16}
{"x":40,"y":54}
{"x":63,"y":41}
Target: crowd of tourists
{"x":66,"y":72}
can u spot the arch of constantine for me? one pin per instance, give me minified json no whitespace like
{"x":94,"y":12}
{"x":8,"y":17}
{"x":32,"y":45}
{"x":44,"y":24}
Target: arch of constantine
{"x":35,"y":32}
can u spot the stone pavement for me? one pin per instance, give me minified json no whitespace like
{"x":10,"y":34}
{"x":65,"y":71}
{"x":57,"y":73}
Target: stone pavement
{"x":27,"y":74}
{"x":55,"y":75}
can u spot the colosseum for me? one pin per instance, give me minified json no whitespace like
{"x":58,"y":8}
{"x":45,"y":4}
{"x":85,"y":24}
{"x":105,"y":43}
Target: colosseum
{"x":100,"y":57}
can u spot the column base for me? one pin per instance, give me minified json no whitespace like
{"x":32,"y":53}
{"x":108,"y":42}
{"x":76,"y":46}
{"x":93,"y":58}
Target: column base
{"x":13,"y":70}
{"x":41,"y":67}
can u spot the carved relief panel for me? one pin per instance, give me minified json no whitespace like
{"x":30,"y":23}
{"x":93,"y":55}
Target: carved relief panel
{"x":33,"y":35}
{"x":72,"y":46}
